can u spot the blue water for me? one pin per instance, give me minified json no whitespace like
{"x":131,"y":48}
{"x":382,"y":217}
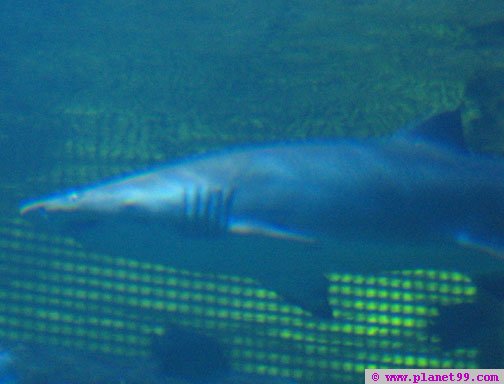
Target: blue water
{"x":93,"y":89}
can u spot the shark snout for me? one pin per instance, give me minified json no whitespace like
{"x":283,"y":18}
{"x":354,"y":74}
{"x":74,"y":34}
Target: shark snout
{"x":33,"y":209}
{"x":46,"y":206}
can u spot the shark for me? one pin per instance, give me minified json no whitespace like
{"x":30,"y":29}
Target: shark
{"x":287,"y":214}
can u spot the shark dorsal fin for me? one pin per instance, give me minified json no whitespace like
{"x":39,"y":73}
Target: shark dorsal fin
{"x":445,"y":129}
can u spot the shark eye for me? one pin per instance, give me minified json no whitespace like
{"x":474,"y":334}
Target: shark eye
{"x":73,"y":197}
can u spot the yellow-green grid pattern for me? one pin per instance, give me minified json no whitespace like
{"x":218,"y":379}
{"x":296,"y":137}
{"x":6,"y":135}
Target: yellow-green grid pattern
{"x":55,"y":292}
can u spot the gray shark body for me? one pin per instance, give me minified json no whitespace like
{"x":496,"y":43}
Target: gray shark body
{"x":287,"y":214}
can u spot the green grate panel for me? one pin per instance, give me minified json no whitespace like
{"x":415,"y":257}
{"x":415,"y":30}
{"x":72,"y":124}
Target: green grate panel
{"x":56,"y":292}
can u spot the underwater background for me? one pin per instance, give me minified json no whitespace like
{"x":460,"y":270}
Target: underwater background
{"x":98,"y":88}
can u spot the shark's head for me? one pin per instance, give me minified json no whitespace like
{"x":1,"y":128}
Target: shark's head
{"x":134,"y":196}
{"x":70,"y":201}
{"x":172,"y":199}
{"x":138,"y":216}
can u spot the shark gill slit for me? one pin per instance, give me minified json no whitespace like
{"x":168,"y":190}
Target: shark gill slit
{"x":207,"y":210}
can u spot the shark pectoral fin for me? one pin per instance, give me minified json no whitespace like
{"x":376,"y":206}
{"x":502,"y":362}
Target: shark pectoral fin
{"x":303,"y":288}
{"x":312,"y":297}
{"x":248,"y":227}
{"x":467,"y":241}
